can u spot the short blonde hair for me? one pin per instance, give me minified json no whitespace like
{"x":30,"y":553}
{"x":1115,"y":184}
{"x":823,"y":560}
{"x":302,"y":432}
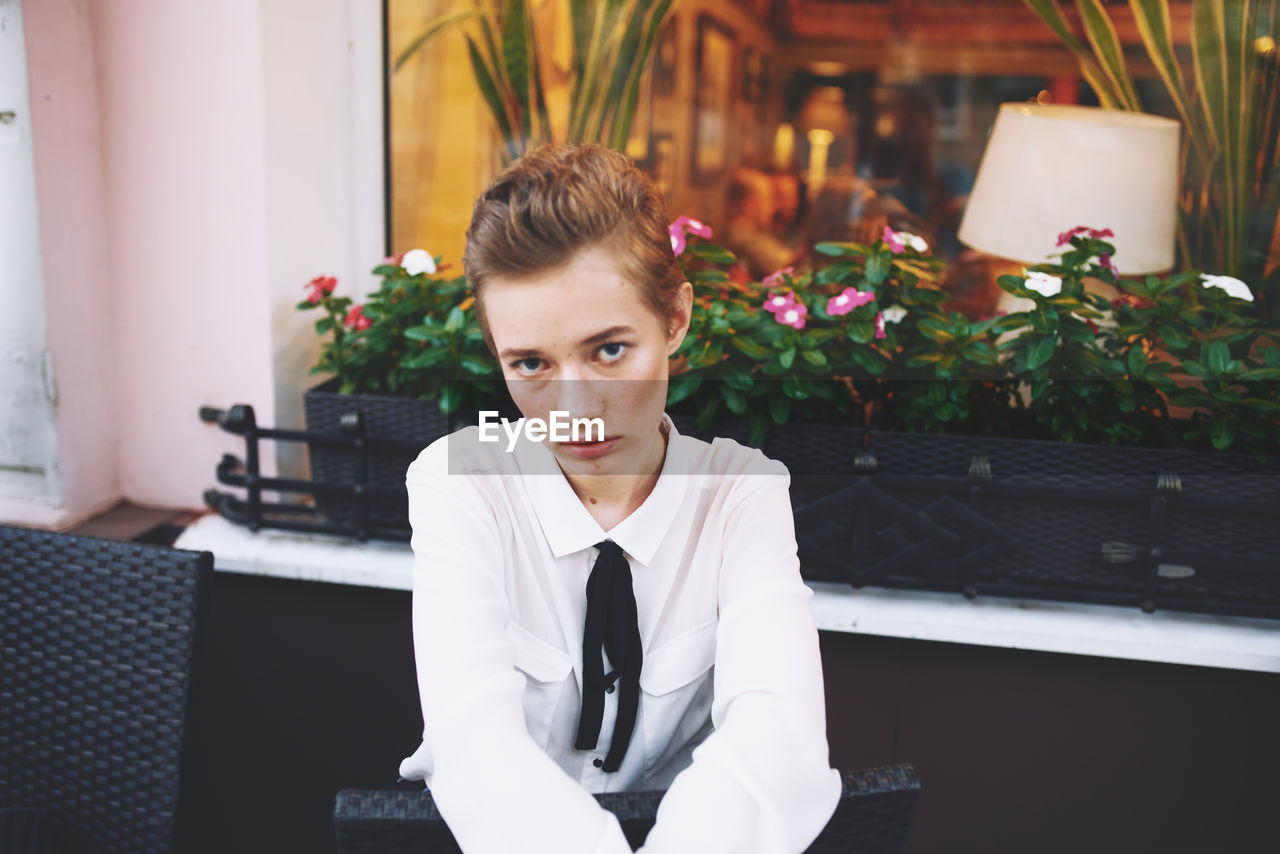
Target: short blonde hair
{"x":559,"y":199}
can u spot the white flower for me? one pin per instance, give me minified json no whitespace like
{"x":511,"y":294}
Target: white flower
{"x":894,"y":313}
{"x":916,"y":242}
{"x":1044,"y":284}
{"x":1234,"y":287}
{"x":417,"y":261}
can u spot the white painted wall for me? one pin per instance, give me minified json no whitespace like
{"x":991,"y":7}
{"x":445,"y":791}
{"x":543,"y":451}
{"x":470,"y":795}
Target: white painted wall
{"x":28,"y":441}
{"x":194,"y":165}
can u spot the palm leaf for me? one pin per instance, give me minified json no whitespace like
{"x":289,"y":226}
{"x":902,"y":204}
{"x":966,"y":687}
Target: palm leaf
{"x":484,"y":79}
{"x":1106,"y":45}
{"x":515,"y":56}
{"x":1048,"y":11}
{"x":1154,"y":25}
{"x":656,"y":20}
{"x":434,"y":27}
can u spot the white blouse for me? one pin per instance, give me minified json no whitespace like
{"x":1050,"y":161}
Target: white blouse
{"x":731,"y":719}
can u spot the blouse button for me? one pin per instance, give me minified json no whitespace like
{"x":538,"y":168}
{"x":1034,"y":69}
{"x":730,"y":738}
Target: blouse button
{"x":609,"y":690}
{"x":597,"y":762}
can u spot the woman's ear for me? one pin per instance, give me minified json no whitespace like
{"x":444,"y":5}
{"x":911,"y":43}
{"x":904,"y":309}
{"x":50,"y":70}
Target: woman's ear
{"x":679,"y":324}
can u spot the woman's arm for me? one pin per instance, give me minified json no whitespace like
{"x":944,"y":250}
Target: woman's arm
{"x":761,"y":782}
{"x":496,"y":789}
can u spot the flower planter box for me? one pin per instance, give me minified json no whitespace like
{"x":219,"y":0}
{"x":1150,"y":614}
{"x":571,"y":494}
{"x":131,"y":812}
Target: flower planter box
{"x":397,"y":429}
{"x":1155,"y":528}
{"x":1146,"y":527}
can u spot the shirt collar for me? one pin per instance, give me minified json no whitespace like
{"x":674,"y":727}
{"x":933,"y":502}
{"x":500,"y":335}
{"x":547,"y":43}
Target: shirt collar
{"x":567,"y":524}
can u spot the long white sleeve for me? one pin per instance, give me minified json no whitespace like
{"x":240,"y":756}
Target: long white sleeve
{"x":496,"y":789}
{"x":761,"y":782}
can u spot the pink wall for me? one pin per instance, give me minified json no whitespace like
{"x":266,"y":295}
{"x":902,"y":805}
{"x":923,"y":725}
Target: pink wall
{"x":148,"y":128}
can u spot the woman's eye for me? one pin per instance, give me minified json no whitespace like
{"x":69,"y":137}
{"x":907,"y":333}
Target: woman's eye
{"x":613,"y":350}
{"x":522,"y":365}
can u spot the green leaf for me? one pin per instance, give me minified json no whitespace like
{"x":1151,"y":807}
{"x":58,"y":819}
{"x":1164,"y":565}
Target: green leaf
{"x":455,"y":321}
{"x":779,"y":408}
{"x":489,"y":91}
{"x":787,"y":357}
{"x":324,"y":325}
{"x":1137,"y":362}
{"x":1174,"y":337}
{"x":434,"y":27}
{"x":1222,"y":432}
{"x":735,"y":400}
{"x":749,"y":348}
{"x":878,"y":266}
{"x":1218,"y":358}
{"x":477,"y":365}
{"x":838,"y":249}
{"x":712,"y":253}
{"x":681,"y":386}
{"x":1261,"y":374}
{"x":1041,"y":352}
{"x":421,"y":333}
{"x":1106,"y":46}
{"x":814,"y":357}
{"x":515,"y":58}
{"x":1044,"y":320}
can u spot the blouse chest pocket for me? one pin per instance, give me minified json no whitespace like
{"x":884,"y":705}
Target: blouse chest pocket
{"x":677,"y":701}
{"x":545,"y":668}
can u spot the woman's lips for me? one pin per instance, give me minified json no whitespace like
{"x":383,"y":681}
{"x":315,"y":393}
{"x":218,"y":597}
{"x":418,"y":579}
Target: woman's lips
{"x":590,"y":450}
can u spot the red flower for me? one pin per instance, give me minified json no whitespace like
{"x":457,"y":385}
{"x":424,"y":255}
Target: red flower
{"x":318,"y":287}
{"x":1088,"y":322}
{"x":355,"y":318}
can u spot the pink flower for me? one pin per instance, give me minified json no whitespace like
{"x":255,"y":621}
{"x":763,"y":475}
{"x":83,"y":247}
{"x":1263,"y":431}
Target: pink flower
{"x":1065,"y":237}
{"x":792,"y":315}
{"x":1104,"y":260}
{"x":693,"y":226}
{"x":318,"y":287}
{"x":355,"y":318}
{"x":879,"y":324}
{"x":677,"y":238}
{"x":393,"y":260}
{"x":895,"y":243}
{"x":777,"y":302}
{"x":774,"y":279}
{"x":683,"y":225}
{"x":1095,"y":233}
{"x":848,"y":300}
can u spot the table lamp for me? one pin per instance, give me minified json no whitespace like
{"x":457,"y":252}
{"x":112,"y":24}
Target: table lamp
{"x":1048,"y":168}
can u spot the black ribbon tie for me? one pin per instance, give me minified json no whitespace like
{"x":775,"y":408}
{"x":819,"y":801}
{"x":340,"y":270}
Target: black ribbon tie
{"x":612,"y":622}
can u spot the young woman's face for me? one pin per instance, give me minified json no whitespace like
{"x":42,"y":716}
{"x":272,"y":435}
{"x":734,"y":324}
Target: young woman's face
{"x":581,"y":339}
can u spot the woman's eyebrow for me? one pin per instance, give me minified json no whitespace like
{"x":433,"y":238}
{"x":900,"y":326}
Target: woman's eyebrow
{"x":604,"y":335}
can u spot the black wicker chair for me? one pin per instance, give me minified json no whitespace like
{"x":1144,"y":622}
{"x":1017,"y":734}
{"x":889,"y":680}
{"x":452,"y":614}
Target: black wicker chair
{"x":96,"y":642}
{"x":872,"y":817}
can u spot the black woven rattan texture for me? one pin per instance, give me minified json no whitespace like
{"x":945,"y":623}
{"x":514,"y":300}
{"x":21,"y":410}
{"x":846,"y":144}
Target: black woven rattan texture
{"x":96,"y":640}
{"x":401,"y":419}
{"x":1054,"y":520}
{"x":872,"y":817}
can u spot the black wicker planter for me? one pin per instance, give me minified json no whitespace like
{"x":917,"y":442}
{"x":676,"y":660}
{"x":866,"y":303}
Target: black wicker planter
{"x":398,"y":428}
{"x":1151,"y":528}
{"x":1179,"y":530}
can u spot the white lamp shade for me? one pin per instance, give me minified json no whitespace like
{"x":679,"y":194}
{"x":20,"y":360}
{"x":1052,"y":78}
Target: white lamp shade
{"x":1049,"y":168}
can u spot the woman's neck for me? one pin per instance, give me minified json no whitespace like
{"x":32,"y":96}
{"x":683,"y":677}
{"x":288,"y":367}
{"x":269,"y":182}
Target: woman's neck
{"x":612,"y":498}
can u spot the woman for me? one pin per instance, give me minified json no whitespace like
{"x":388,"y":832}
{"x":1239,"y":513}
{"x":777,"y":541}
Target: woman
{"x":624,"y":613}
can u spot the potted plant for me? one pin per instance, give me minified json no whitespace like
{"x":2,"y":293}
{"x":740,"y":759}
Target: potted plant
{"x":1102,"y":450}
{"x":1033,"y":454}
{"x":411,"y":361}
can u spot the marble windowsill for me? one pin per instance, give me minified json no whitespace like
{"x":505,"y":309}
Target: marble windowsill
{"x":1101,"y":630}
